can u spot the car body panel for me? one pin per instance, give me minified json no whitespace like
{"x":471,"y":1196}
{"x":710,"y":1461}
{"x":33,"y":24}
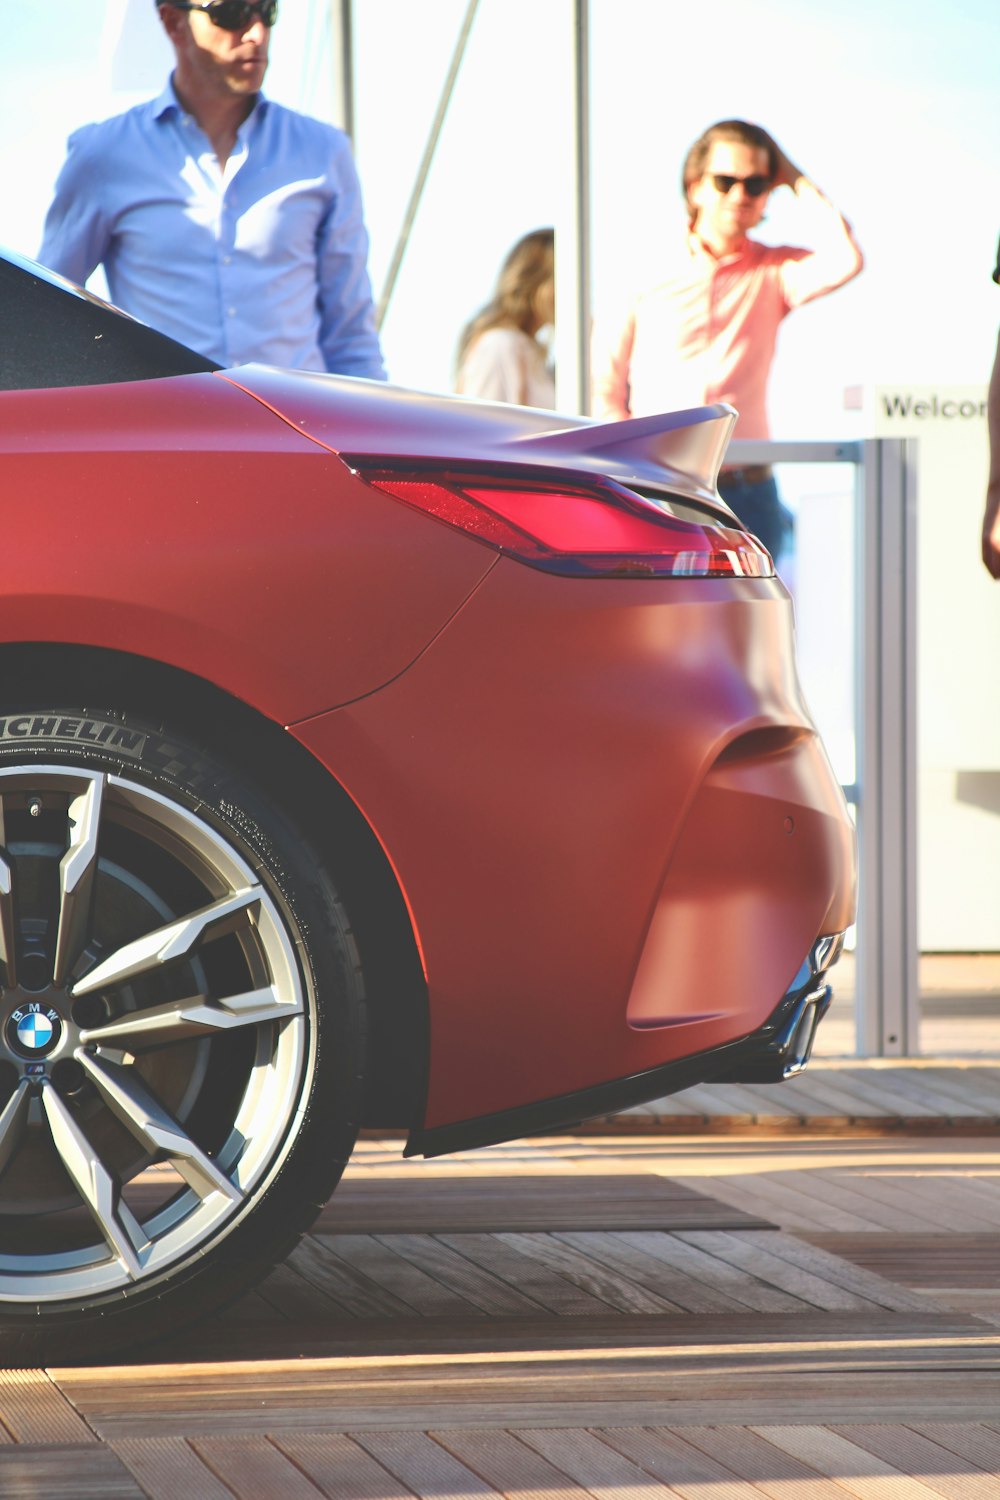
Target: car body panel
{"x":565,"y":737}
{"x":180,"y":520}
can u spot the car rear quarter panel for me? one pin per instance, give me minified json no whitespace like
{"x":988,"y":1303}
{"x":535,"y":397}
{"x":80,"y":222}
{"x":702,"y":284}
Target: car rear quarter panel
{"x":181,"y":520}
{"x":547,"y":781}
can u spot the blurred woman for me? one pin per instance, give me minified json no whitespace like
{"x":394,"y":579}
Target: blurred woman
{"x":500,"y":354}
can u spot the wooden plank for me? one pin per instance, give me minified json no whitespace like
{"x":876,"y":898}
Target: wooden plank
{"x":690,"y":1472}
{"x":399,"y":1277}
{"x":253,"y":1308}
{"x":759,"y":1462}
{"x":593,"y":1464}
{"x":424,"y":1465}
{"x":914,"y":1098}
{"x":712,"y":1272}
{"x":905,"y":1372}
{"x":711,"y":1105}
{"x":981,"y":1190}
{"x":924,"y":1260}
{"x":856,"y":1201}
{"x":756,"y":1193}
{"x":747,"y":1395}
{"x":795,"y":1199}
{"x":799,"y":1097}
{"x":66,"y":1473}
{"x":417,"y":1338}
{"x":253,"y":1468}
{"x":914,"y":1453}
{"x":440,"y":1260}
{"x":859,"y":1471}
{"x":286,"y":1294}
{"x":919,"y":1084}
{"x":938,"y":1198}
{"x":509,"y":1464}
{"x":535,"y":1280}
{"x":781,"y":1195}
{"x":868,"y":1084}
{"x":984,"y":1305}
{"x":953,"y":1202}
{"x":980,"y":1085}
{"x":34,"y":1410}
{"x":465,"y":1203}
{"x":656,"y":1272}
{"x":168,"y":1468}
{"x":669,"y":1104}
{"x":613,"y":1288}
{"x":743,"y":1101}
{"x":969,"y":1440}
{"x":340,"y":1467}
{"x":837,"y":1272}
{"x":343,"y":1283}
{"x":758,"y":1255}
{"x":820,"y":1094}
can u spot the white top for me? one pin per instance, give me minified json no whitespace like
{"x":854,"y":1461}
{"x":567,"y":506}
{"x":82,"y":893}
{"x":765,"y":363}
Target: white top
{"x":504,"y":364}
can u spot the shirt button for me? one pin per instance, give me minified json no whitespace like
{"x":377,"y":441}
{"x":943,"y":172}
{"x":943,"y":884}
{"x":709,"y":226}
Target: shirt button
{"x":231,"y":311}
{"x":227,"y":260}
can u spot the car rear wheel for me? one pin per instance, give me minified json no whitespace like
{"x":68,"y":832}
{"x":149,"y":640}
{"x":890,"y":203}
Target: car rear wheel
{"x":181,"y":1027}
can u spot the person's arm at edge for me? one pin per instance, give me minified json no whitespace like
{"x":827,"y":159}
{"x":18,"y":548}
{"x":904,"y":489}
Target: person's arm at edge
{"x":611,"y":360}
{"x":348,"y":338}
{"x":991,"y":516}
{"x":76,"y":236}
{"x":839,"y":259}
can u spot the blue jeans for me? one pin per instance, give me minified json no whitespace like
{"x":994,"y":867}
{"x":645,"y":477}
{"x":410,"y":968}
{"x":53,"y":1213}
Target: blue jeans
{"x":760,"y":510}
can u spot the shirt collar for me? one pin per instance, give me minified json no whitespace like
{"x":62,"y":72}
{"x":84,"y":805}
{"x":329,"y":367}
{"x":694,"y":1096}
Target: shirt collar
{"x":168,"y":103}
{"x":747,"y":251}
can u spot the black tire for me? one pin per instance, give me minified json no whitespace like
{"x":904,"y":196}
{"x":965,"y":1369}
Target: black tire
{"x":174,"y":1109}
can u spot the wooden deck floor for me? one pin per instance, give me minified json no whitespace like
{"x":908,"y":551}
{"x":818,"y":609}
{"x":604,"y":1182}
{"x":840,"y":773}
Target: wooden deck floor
{"x":616,"y":1317}
{"x":838,"y":1096}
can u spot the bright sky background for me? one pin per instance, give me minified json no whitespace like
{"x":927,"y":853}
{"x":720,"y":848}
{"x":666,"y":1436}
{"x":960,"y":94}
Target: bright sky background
{"x":891,"y":105}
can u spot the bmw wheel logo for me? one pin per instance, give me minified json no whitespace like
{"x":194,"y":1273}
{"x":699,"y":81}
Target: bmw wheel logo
{"x":33,"y":1030}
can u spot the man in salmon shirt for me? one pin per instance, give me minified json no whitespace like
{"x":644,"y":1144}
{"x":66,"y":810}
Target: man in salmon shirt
{"x":708,"y":331}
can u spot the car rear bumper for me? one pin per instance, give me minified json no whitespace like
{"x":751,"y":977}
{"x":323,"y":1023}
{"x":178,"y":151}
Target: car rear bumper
{"x":614,"y":825}
{"x":776,"y":1050}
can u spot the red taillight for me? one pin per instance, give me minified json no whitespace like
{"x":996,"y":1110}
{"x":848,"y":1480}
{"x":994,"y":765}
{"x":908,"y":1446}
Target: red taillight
{"x":603,"y":532}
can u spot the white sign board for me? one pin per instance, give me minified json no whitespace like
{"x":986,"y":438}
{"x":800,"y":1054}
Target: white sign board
{"x":958,"y":663}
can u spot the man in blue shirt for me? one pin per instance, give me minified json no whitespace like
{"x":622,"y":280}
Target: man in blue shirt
{"x":222,"y":218}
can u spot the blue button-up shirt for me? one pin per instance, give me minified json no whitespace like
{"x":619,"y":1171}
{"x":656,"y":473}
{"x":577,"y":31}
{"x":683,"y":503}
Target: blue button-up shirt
{"x":264,"y":259}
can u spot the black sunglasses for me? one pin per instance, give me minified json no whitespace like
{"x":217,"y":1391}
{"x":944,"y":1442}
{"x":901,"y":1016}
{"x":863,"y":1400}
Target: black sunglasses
{"x":233,"y":15}
{"x":752,"y":186}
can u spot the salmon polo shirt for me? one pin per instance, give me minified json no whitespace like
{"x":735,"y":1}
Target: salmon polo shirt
{"x":708,"y":332}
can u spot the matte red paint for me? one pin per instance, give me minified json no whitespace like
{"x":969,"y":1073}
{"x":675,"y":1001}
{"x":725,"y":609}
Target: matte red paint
{"x":594,"y":890}
{"x":181,"y":520}
{"x":563,"y":735}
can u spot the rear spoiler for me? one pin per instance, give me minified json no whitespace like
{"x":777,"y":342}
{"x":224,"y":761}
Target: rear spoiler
{"x":683,"y":449}
{"x":678,"y":450}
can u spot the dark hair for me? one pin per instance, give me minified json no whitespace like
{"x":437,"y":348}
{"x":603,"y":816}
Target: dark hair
{"x":528,"y":266}
{"x":742,"y":131}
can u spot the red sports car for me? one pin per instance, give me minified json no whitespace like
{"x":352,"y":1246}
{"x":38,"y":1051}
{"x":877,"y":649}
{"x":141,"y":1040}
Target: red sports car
{"x":367,"y":758}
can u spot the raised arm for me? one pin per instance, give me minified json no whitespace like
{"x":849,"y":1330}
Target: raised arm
{"x":837,"y":258}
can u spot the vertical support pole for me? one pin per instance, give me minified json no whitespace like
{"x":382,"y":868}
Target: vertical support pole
{"x":573,"y":298}
{"x":887,"y":998}
{"x":342,"y":49}
{"x":426,"y":162}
